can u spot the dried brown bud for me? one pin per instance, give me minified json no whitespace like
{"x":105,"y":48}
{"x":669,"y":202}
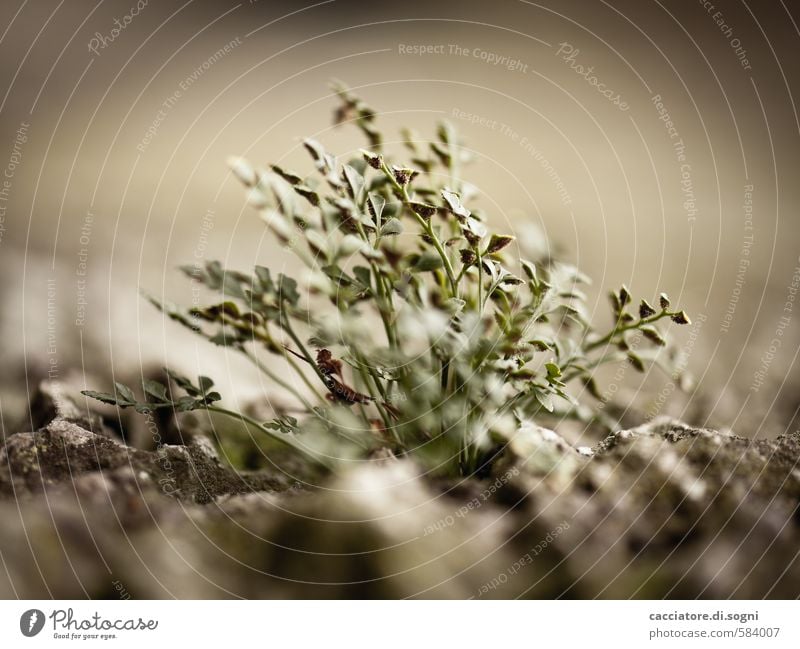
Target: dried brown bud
{"x":374,"y":160}
{"x":681,"y":318}
{"x":468,"y":257}
{"x":637,"y":362}
{"x":645,"y":310}
{"x":651,"y":333}
{"x":404,"y":175}
{"x":497,"y":242}
{"x":615,"y":303}
{"x":423,"y":209}
{"x":624,"y":295}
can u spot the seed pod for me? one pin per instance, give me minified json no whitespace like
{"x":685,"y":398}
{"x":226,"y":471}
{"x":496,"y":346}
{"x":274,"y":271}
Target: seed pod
{"x":615,"y":302}
{"x":243,"y":170}
{"x":374,"y":160}
{"x":350,"y":245}
{"x":256,"y":198}
{"x":468,"y":257}
{"x":637,"y":362}
{"x":497,"y":242}
{"x":404,"y":175}
{"x":391,"y":228}
{"x":624,"y":295}
{"x":681,"y":318}
{"x":663,"y":300}
{"x":317,"y":242}
{"x":645,"y":310}
{"x":423,"y":209}
{"x":278,"y":224}
{"x":591,"y":387}
{"x":651,"y":333}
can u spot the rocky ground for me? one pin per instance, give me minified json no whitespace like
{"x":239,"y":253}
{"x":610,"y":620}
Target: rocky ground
{"x":663,"y":510}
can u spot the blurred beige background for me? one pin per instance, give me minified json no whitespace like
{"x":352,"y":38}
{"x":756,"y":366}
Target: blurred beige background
{"x":114,"y":162}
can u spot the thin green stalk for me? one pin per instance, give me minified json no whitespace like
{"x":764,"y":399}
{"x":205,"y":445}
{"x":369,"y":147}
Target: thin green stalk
{"x":634,"y":325}
{"x":480,"y":282}
{"x":274,"y":377}
{"x":299,"y":371}
{"x":367,"y":373}
{"x":605,"y":358}
{"x":383,"y":296}
{"x":425,"y":224}
{"x":287,"y":327}
{"x":281,"y":437}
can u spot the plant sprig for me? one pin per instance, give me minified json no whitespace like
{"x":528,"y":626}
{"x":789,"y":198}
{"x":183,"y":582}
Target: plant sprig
{"x":444,"y":344}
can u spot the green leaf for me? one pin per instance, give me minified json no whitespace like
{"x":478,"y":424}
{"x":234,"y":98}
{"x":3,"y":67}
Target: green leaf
{"x":264,"y":280}
{"x":391,"y":228}
{"x":545,"y":400}
{"x":453,"y":201}
{"x":317,"y":242}
{"x":205,"y":384}
{"x":103,"y":397}
{"x":375,"y":204}
{"x":155,"y":389}
{"x":287,"y":289}
{"x":183,"y":383}
{"x":125,"y":392}
{"x":323,"y":161}
{"x":363,"y":275}
{"x":355,"y":181}
{"x":185,"y":404}
{"x":553,"y":370}
{"x":428,"y":260}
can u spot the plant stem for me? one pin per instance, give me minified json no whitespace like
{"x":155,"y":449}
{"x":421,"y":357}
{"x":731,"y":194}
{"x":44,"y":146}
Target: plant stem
{"x":634,"y":325}
{"x":606,"y":358}
{"x":382,"y":294}
{"x":425,"y":224}
{"x":299,"y":371}
{"x":281,"y":437}
{"x":480,"y":281}
{"x":287,"y":327}
{"x":272,"y":376}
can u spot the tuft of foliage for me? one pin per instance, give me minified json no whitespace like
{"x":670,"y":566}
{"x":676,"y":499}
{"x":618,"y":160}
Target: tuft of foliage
{"x":415,"y":329}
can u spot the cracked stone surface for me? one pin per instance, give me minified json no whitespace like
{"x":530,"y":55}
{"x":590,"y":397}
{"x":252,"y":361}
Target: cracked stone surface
{"x":662,"y":510}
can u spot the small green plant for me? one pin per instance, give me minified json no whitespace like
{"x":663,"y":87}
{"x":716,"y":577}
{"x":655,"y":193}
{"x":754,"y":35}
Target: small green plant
{"x":415,"y":330}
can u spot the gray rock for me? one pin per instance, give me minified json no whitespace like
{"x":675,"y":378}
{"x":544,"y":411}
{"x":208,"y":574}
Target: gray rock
{"x":663,"y":510}
{"x":62,"y":451}
{"x":54,"y":400}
